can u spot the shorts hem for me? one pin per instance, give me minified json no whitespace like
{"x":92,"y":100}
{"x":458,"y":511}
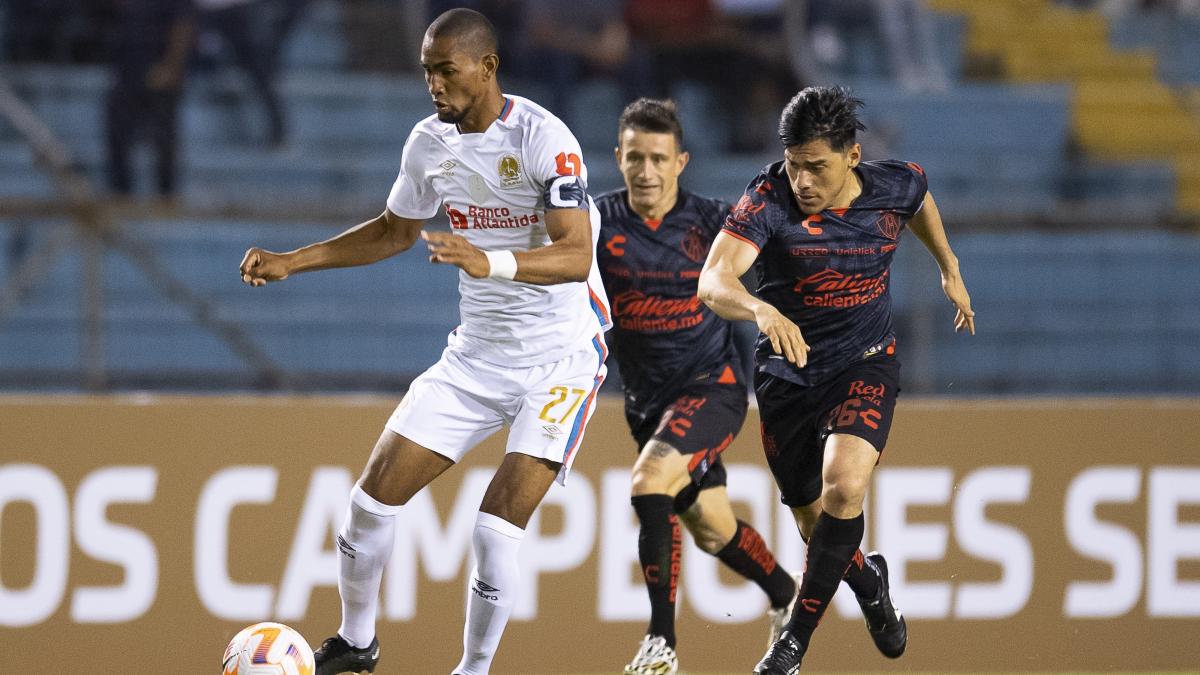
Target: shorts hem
{"x":424,"y":442}
{"x":563,"y":468}
{"x":849,"y":432}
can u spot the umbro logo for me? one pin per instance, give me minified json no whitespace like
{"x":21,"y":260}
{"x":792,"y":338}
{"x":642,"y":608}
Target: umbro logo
{"x":485,"y":591}
{"x":448,"y":166}
{"x":346,"y":548}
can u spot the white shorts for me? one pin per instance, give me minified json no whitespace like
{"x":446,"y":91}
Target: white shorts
{"x":460,"y":401}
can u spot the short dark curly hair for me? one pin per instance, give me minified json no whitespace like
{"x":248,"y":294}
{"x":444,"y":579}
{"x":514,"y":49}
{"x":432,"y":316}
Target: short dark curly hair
{"x":830,"y":113}
{"x":654,"y":115}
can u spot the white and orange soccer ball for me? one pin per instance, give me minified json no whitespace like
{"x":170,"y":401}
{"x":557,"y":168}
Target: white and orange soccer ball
{"x":268,"y":649}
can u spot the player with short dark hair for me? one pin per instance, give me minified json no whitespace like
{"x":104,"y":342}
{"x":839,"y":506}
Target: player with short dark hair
{"x":685,"y":394}
{"x":529,"y":353}
{"x":821,"y":227}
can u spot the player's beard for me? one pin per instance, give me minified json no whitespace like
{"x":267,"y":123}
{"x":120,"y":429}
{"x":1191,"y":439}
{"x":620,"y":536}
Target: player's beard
{"x":451,"y":116}
{"x":454,"y":116}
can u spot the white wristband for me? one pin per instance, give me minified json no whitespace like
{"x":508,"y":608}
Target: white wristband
{"x":503,"y":264}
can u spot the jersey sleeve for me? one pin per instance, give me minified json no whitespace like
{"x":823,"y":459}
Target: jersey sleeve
{"x":412,"y":194}
{"x":556,"y":166}
{"x":919,"y":186}
{"x":907,"y":185}
{"x":714,"y":217}
{"x":746,"y":220}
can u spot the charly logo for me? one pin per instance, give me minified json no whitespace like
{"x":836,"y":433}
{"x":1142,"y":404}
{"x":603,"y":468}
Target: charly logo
{"x":616,"y":246}
{"x":509,"y":169}
{"x":694,"y":245}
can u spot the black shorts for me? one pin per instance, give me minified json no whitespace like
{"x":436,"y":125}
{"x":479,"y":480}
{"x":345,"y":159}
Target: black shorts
{"x":797,"y":420}
{"x":702,"y":421}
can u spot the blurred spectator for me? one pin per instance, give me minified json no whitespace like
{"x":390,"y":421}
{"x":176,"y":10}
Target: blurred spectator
{"x":741,"y":59}
{"x":902,"y":29}
{"x":1118,"y":8}
{"x":245,"y":27}
{"x":563,"y":44}
{"x":31,"y":27}
{"x":508,"y":16}
{"x":63,"y":31}
{"x":287,"y":15}
{"x":150,"y":45}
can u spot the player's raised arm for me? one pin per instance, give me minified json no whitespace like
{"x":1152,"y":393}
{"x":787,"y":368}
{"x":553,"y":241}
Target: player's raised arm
{"x":721,"y":289}
{"x":927,"y":225}
{"x":381,"y":237}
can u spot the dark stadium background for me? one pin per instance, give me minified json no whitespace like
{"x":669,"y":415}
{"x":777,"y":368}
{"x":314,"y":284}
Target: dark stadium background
{"x":1061,"y":140}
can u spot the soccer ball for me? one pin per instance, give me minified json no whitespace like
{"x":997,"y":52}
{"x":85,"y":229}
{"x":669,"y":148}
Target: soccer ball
{"x":268,"y":649}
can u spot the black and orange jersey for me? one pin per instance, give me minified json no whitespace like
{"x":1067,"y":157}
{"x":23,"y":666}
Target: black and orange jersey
{"x":663,"y":337}
{"x":828,"y":272}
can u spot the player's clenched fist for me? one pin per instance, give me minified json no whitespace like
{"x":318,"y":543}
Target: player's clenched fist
{"x":453,"y":249}
{"x":784,"y":335}
{"x":259,"y":267}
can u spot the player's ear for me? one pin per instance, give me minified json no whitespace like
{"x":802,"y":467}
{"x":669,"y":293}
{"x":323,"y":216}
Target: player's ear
{"x":490,"y":63}
{"x":683,"y":159}
{"x":617,"y":154}
{"x":854,"y":155}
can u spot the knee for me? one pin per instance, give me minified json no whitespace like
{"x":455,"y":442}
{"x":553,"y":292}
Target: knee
{"x":709,"y":541}
{"x":843,"y":496}
{"x":648,"y":480}
{"x":806,"y":518}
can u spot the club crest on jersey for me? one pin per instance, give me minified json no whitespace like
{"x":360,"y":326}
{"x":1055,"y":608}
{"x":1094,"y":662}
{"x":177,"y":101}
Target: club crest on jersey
{"x":694,"y":245}
{"x":478,"y":189}
{"x":889,"y":224}
{"x":509,"y":169}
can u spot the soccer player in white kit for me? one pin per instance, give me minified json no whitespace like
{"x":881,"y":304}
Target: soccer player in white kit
{"x":529,"y":352}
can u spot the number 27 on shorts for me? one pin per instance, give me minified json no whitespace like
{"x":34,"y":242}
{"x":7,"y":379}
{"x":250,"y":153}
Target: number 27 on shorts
{"x":562,"y":397}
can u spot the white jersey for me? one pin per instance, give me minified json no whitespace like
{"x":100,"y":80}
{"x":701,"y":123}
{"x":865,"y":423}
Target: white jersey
{"x":494,"y":187}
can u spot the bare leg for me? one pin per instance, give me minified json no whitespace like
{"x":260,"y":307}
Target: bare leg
{"x":711,"y":520}
{"x":399,"y":468}
{"x":837,"y":532}
{"x":737,"y":544}
{"x":518,"y":487}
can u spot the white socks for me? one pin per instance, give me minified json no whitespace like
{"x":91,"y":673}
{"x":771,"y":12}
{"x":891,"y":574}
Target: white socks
{"x":364,"y":545}
{"x":491,"y":591}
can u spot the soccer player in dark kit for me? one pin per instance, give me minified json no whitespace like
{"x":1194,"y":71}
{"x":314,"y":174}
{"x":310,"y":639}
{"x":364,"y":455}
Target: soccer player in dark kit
{"x":685,"y":394}
{"x":821,"y":226}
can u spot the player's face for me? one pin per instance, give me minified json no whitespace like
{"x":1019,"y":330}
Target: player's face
{"x":820,"y":175}
{"x":456,"y":79}
{"x":651,"y":163}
